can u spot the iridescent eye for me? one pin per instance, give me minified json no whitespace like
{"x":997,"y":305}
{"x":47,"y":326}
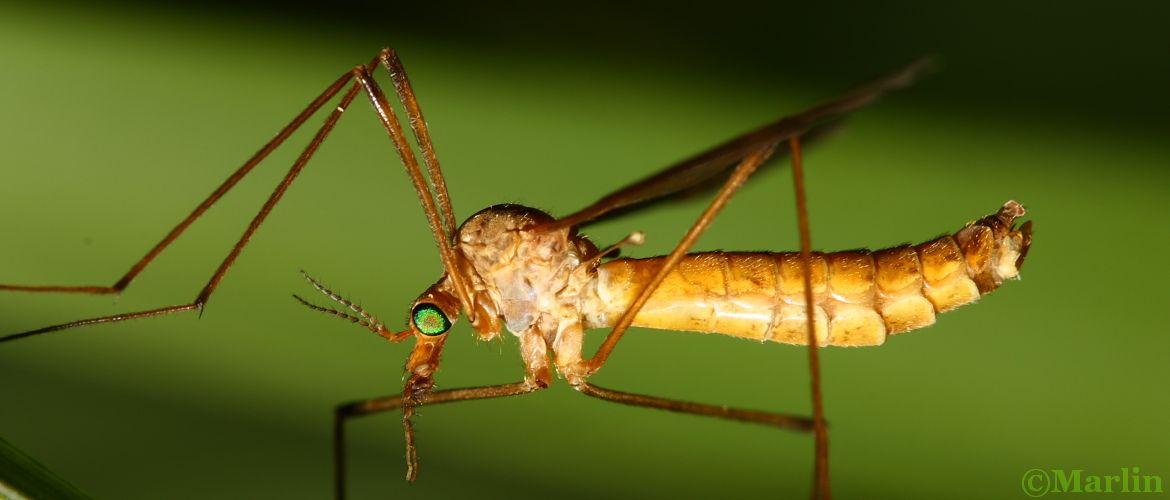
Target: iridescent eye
{"x":429,"y":319}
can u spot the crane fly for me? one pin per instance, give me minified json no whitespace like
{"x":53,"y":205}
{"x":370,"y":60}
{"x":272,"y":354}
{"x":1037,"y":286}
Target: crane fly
{"x":517,"y":268}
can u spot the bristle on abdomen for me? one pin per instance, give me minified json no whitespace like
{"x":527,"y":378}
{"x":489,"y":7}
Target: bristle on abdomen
{"x":860,"y":296}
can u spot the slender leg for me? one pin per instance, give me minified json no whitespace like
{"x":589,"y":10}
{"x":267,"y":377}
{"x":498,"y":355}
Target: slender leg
{"x":394,"y":129}
{"x":369,"y":407}
{"x":224,"y":266}
{"x":418,"y":124}
{"x":390,"y":122}
{"x":203,"y":207}
{"x":738,"y":177}
{"x":227,"y":185}
{"x":821,"y":479}
{"x":749,"y":164}
{"x":753,"y":416}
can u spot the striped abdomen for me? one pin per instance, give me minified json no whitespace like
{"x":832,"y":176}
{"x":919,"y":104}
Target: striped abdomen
{"x":860,"y":296}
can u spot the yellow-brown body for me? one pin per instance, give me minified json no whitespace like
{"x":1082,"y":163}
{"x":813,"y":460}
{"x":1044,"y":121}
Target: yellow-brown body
{"x":860,"y":296}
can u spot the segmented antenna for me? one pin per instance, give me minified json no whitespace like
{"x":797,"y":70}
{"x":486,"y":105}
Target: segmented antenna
{"x":363,"y":318}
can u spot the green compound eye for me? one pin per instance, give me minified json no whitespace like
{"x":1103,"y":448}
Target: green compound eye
{"x":429,"y":319}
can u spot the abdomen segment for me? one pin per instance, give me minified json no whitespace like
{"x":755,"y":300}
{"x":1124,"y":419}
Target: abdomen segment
{"x":860,"y":296}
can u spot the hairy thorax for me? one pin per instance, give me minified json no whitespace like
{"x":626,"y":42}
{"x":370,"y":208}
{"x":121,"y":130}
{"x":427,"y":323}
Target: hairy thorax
{"x":526,"y":277}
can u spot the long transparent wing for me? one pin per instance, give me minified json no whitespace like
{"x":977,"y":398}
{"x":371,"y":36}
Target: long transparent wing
{"x":707,"y":167}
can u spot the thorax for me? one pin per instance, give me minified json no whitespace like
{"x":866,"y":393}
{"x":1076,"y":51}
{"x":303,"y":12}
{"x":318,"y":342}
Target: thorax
{"x":528,"y":276}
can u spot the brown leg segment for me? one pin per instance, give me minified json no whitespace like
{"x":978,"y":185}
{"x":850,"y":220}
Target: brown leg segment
{"x":745,"y":169}
{"x":422,"y":135}
{"x":224,"y":266}
{"x":821,"y":479}
{"x":747,"y":166}
{"x":227,"y":185}
{"x":372,"y":406}
{"x":389,"y":120}
{"x":754,"y":416}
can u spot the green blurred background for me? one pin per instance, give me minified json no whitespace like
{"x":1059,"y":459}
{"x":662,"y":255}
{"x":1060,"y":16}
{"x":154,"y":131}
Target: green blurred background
{"x":118,"y":118}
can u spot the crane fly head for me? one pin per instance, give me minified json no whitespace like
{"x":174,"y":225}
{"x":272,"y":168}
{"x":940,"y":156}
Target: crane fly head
{"x":431,"y":317}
